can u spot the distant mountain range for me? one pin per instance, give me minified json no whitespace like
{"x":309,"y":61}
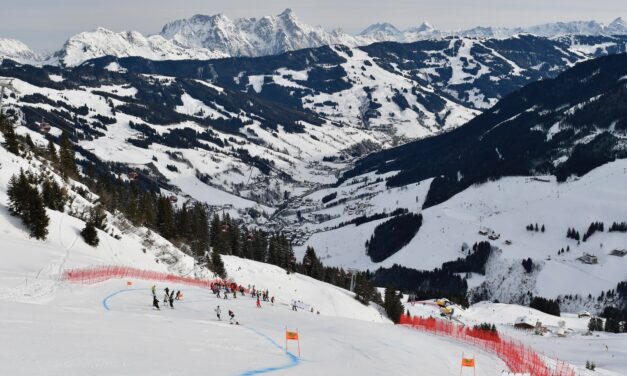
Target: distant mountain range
{"x":203,"y":37}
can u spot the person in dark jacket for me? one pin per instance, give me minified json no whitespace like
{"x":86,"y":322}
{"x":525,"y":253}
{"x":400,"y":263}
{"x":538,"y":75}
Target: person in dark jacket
{"x":155,"y":302}
{"x":172,"y":300}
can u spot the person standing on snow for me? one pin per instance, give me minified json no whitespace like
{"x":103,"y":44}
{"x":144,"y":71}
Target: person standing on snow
{"x":258,"y":303}
{"x":218,"y":311}
{"x":154,"y":290}
{"x":178,"y":295}
{"x":172,"y":300}
{"x":231,"y":316}
{"x":167,"y":296}
{"x":272,"y":300}
{"x":155,"y":302}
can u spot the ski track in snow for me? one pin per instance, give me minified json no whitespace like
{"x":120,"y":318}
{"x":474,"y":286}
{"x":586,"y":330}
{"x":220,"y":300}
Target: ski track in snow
{"x":293,"y":359}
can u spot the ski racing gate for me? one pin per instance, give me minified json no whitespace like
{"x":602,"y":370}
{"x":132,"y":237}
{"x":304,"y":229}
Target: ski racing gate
{"x":519,"y":358}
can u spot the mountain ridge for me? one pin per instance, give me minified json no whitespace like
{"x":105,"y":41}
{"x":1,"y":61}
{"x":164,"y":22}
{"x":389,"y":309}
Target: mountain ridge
{"x":203,"y":37}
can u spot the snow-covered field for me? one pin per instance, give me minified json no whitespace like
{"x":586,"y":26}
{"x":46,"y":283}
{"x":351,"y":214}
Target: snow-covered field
{"x":607,"y":350}
{"x":505,"y":206}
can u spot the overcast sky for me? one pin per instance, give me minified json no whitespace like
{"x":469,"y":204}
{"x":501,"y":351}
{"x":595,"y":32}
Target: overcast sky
{"x":45,"y":24}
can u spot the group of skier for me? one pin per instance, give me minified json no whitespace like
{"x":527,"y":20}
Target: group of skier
{"x":169,"y":297}
{"x":232,"y":320}
{"x":221,"y":290}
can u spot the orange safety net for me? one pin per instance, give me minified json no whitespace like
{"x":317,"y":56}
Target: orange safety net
{"x":105,"y":273}
{"x":518,"y":357}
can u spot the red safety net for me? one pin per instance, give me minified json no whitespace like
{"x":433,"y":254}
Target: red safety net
{"x":104,"y":273}
{"x":518,"y":357}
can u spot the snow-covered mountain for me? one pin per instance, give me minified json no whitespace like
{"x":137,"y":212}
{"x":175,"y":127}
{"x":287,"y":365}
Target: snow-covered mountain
{"x":388,"y":32}
{"x":15,"y":50}
{"x":268,"y":35}
{"x":290,"y":122}
{"x":487,"y":181}
{"x":102,"y":42}
{"x":203,"y":37}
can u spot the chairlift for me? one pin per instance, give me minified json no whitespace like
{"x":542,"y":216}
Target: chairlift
{"x":173,"y":199}
{"x":132,"y":176}
{"x":44,"y":127}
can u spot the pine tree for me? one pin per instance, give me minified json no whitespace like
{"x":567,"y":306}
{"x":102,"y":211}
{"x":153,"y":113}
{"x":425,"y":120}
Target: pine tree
{"x":217,"y":266}
{"x":10,"y":138}
{"x":392,"y":304}
{"x":98,"y":217}
{"x":26,"y":202}
{"x":67,"y":163}
{"x":35,"y":217}
{"x":51,"y":152}
{"x":311,"y":264}
{"x":165,"y":218}
{"x":54,"y":196}
{"x":364,"y":290}
{"x":89,"y":234}
{"x":17,"y":192}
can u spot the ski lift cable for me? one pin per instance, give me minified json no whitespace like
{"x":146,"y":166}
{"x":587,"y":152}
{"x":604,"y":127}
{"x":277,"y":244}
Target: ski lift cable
{"x":47,"y":119}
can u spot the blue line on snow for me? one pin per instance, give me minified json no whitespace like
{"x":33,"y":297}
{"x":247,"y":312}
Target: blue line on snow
{"x":105,"y":301}
{"x":294,"y":360}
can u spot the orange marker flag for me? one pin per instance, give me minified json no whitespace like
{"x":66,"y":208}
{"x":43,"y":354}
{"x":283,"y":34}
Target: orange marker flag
{"x":468,"y":362}
{"x":292,"y":336}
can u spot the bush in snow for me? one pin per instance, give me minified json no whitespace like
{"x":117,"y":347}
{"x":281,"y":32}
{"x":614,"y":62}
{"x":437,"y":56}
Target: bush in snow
{"x":89,"y":234}
{"x":528,"y":265}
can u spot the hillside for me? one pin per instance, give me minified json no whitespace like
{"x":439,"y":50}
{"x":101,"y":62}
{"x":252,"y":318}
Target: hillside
{"x":476,"y":178}
{"x":249,"y":134}
{"x":113,"y":320}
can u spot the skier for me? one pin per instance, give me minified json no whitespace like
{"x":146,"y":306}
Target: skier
{"x":154,"y":290}
{"x":231,"y":317}
{"x":218,"y":311}
{"x":272,"y":300}
{"x":155,"y":302}
{"x":294,"y":306}
{"x":167,"y":296}
{"x":172,"y":300}
{"x":258,"y":303}
{"x":218,"y":292}
{"x":178,"y":295}
{"x":234,"y":294}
